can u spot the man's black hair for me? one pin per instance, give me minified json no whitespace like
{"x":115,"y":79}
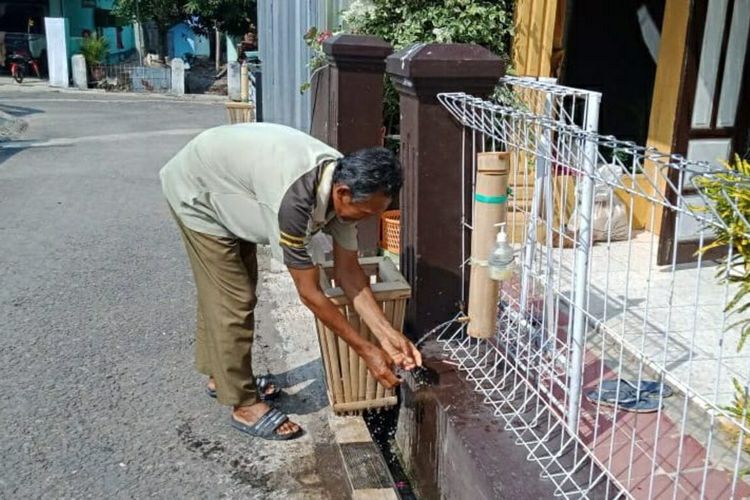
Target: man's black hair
{"x":369,"y":171}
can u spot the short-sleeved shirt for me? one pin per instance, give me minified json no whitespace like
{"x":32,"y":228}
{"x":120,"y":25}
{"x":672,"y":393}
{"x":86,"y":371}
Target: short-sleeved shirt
{"x":248,"y":180}
{"x":305,"y":210}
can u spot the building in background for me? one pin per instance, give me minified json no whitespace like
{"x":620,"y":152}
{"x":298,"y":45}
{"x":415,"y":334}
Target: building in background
{"x":674,"y":75}
{"x":184,"y":41}
{"x":83,"y":17}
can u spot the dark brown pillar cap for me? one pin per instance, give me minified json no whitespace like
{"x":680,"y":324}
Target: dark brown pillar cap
{"x":425,"y":70}
{"x":357,"y":52}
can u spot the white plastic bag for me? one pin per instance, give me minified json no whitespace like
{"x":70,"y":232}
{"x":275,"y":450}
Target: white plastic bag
{"x":609,"y":219}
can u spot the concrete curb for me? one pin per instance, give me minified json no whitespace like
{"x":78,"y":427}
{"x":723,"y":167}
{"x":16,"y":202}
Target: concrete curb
{"x":43,"y":87}
{"x":366,"y":471}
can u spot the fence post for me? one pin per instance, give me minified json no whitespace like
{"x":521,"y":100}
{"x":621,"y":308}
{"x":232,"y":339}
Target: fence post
{"x":355,"y":104}
{"x":80,"y":75}
{"x":178,"y":76}
{"x":432,"y":155}
{"x":233,"y":81}
{"x":581,"y":270}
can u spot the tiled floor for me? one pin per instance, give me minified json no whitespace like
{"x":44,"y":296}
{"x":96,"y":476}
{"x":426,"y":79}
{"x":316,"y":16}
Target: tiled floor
{"x":671,"y":318}
{"x":670,"y":322}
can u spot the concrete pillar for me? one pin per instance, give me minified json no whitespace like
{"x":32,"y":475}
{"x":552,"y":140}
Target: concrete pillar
{"x":56,"y":32}
{"x":431,"y":154}
{"x":320,"y":93}
{"x":178,"y":76}
{"x":233,"y":81}
{"x":355,"y":104}
{"x":80,"y":76}
{"x":140,"y":46}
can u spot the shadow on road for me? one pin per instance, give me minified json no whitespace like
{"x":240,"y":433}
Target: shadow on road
{"x":312,"y":397}
{"x":19,"y":111}
{"x":7,"y":151}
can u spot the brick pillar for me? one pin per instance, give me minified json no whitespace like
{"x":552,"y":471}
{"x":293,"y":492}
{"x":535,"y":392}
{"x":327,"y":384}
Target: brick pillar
{"x":354,"y":105}
{"x":431,"y":154}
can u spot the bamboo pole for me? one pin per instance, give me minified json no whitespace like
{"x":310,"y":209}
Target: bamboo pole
{"x":344,"y":368}
{"x":363,"y":372}
{"x":244,"y":83}
{"x":353,"y":359}
{"x":333,"y":354}
{"x":490,"y":208}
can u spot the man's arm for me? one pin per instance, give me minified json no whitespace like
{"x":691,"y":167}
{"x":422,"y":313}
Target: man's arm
{"x":377,"y":360}
{"x":356,"y":286}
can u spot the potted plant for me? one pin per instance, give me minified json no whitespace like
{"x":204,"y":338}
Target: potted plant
{"x":95,"y":49}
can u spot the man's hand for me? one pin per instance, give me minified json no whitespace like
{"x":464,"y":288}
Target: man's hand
{"x":401,"y":350}
{"x":356,"y":285}
{"x":378,"y":360}
{"x":380,"y":365}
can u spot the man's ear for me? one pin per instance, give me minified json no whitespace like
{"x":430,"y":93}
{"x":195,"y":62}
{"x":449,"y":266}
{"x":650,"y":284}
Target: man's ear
{"x":342,"y":190}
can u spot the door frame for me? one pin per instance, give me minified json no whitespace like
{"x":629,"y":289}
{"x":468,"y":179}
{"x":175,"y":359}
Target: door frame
{"x":686,"y":250}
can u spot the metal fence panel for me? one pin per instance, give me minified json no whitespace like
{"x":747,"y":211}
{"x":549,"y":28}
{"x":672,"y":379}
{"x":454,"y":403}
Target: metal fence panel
{"x":285,"y":57}
{"x":592,"y":319}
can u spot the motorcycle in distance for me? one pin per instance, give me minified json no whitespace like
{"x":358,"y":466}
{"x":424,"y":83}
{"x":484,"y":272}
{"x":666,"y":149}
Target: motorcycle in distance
{"x":18,"y":63}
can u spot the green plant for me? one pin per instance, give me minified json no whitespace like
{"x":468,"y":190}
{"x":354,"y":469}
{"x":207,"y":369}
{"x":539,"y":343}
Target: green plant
{"x":739,"y":410}
{"x":729,"y":193}
{"x":403,"y":22}
{"x":314,"y":39}
{"x":95,"y":49}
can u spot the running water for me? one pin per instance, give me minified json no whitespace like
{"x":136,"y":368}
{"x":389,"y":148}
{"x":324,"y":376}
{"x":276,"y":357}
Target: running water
{"x":457,"y":319}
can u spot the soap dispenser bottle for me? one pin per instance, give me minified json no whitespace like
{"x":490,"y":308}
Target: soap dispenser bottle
{"x":500,"y":261}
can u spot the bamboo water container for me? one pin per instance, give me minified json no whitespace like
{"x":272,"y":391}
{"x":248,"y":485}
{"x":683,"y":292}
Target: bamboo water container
{"x":350,"y":385}
{"x":490,"y":208}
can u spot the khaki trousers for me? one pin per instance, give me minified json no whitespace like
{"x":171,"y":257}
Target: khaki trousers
{"x":226,"y":276}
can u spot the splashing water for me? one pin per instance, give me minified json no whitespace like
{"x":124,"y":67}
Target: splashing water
{"x":457,"y":319}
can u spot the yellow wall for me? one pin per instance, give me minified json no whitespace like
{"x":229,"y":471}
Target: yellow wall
{"x":534,"y":37}
{"x":664,"y":103}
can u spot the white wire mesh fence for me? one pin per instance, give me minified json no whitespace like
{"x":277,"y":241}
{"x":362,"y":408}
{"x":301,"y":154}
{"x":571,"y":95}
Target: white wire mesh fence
{"x":614,"y":363}
{"x":137,"y":78}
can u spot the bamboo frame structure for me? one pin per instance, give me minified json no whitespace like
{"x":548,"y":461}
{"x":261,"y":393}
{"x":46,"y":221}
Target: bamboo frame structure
{"x":240,"y":112}
{"x":350,"y":385}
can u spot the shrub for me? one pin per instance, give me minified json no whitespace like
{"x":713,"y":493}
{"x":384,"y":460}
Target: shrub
{"x":95,"y":49}
{"x":403,"y":22}
{"x":730,"y":195}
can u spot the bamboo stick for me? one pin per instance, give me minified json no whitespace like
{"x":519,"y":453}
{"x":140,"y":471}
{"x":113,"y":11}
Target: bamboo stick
{"x":326,"y":360}
{"x":344,"y":367}
{"x":364,"y":405}
{"x":333,"y":363}
{"x":363,"y":372}
{"x":490,"y":207}
{"x":353,"y":361}
{"x":389,"y":309}
{"x":244,"y":83}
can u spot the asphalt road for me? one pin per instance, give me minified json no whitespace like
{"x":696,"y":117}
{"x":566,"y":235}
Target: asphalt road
{"x":99,"y":398}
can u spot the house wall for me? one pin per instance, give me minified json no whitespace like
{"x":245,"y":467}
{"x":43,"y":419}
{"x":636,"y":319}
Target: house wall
{"x":183,"y":40}
{"x":82,"y":18}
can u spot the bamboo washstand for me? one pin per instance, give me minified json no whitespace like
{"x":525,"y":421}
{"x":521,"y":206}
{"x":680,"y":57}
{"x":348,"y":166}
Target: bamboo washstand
{"x":240,"y":112}
{"x":350,"y":385}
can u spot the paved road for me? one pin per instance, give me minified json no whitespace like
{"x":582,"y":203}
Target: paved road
{"x":96,"y":309}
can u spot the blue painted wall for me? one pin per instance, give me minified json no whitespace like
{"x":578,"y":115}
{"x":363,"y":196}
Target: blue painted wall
{"x":82,"y":18}
{"x":183,"y":40}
